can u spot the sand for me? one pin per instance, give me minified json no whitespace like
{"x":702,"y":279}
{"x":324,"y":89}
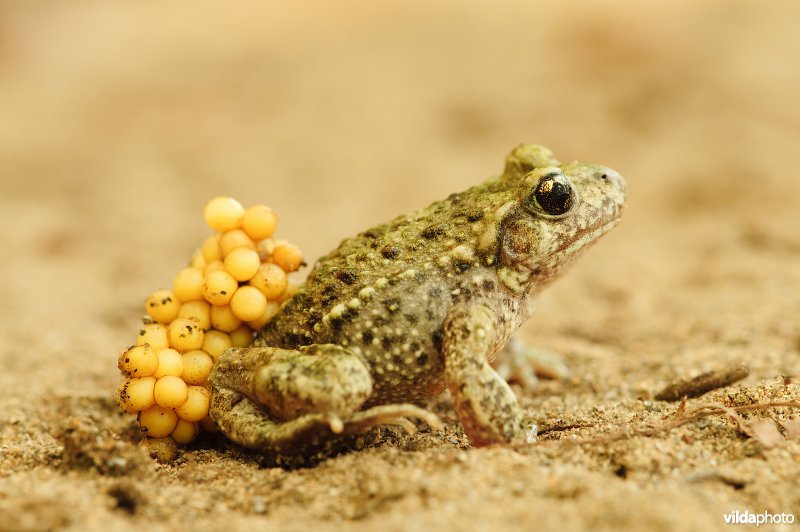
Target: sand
{"x":120,"y":120}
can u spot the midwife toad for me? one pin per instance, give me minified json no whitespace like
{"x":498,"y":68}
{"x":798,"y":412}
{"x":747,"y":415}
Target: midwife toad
{"x":405,"y":309}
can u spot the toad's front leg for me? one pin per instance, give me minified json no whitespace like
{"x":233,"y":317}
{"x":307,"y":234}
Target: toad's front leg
{"x":484,"y":402}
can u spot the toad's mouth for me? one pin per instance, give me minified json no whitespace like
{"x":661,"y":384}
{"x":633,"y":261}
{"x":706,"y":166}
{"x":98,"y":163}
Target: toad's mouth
{"x":585,"y":237}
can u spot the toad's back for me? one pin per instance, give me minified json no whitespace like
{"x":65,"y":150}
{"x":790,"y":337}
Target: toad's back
{"x":385,"y":293}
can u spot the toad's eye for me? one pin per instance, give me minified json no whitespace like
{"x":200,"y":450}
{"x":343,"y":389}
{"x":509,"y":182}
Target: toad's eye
{"x":553,"y":195}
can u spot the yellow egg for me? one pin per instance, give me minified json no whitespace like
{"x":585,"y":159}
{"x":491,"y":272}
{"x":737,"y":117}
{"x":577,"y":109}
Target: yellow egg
{"x":162,"y":450}
{"x":122,"y":390}
{"x":138,"y":361}
{"x":223,"y":214}
{"x":223,"y":319}
{"x":170,"y":391}
{"x":197,"y":366}
{"x":271,"y":280}
{"x":216,"y":343}
{"x":196,"y":406}
{"x":185,"y":334}
{"x":170,"y":362}
{"x":199,"y":311}
{"x":197,"y":260}
{"x":259,"y":222}
{"x":288,"y":257}
{"x":157,"y":422}
{"x":242,"y":337}
{"x":219,"y":287}
{"x":185,"y":432}
{"x":271,"y":309}
{"x":248,"y":303}
{"x":188,"y":285}
{"x":291,"y":289}
{"x":265,"y":249}
{"x":213,"y":266}
{"x":138,"y":394}
{"x":242,"y":263}
{"x":154,"y":335}
{"x":233,"y":240}
{"x":210,"y":249}
{"x":162,"y":306}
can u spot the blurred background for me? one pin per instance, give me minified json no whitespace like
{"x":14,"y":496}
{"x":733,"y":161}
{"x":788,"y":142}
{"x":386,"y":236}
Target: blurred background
{"x":119,"y":120}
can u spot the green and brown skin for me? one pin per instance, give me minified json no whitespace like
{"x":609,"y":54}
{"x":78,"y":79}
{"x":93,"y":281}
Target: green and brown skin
{"x":406,"y":309}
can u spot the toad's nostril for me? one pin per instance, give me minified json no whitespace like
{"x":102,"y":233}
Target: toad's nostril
{"x":604,"y":176}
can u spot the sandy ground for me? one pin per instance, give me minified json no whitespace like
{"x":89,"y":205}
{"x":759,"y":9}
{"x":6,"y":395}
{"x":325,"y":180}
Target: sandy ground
{"x":118,"y":120}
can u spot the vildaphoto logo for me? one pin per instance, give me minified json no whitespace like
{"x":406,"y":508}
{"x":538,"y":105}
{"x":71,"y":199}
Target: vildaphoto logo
{"x":764,"y":518}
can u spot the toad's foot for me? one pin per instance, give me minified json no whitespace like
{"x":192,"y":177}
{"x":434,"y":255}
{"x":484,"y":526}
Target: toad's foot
{"x":522,"y":363}
{"x":396,"y":414}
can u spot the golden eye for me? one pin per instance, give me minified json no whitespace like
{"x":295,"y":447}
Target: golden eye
{"x":553,"y":194}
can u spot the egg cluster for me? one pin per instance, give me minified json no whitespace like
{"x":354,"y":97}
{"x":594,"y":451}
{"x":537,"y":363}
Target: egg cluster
{"x":234,"y":285}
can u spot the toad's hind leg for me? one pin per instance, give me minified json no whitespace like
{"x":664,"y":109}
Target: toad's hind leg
{"x":287,"y":401}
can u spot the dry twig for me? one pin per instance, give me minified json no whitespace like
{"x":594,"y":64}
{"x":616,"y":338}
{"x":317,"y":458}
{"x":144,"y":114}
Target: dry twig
{"x":682,"y":417}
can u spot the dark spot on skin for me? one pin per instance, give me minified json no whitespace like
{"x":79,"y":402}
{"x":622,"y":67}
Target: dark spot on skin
{"x":461,"y":265}
{"x":328,"y":290}
{"x":411,"y":318}
{"x":392,"y":304}
{"x":420,"y":277}
{"x":621,"y":472}
{"x":367,"y":337}
{"x":422,"y":359}
{"x":370,"y":234}
{"x":336,"y":324}
{"x":127,"y":360}
{"x":474,"y":216}
{"x":414,"y":346}
{"x":436,"y":337}
{"x":488,"y":285}
{"x":390,"y":252}
{"x":293,"y":339}
{"x":435,"y":292}
{"x":374,"y":244}
{"x":381,"y":320}
{"x":387,"y":341}
{"x":347,"y":276}
{"x":433,"y":231}
{"x":236,"y":400}
{"x":397,"y":360}
{"x":166,"y":300}
{"x":142,"y":332}
{"x":224,"y":292}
